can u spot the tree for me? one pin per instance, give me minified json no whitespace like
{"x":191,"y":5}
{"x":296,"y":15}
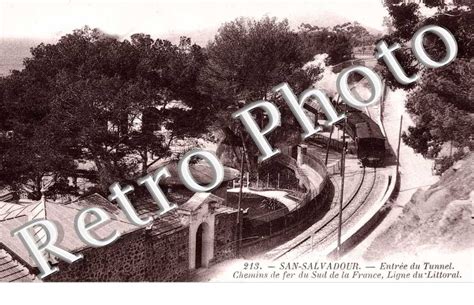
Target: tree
{"x":30,"y":148}
{"x":84,"y":99}
{"x":245,"y":60}
{"x":442,"y":106}
{"x":406,"y":19}
{"x":441,"y":100}
{"x":357,"y":34}
{"x":334,"y":42}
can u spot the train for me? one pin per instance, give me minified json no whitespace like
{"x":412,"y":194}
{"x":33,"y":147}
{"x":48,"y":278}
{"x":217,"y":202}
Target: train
{"x":368,"y":137}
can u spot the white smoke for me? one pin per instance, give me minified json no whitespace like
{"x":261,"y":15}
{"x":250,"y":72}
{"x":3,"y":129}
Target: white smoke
{"x":328,"y":80}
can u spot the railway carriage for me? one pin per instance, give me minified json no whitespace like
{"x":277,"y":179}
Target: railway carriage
{"x":368,"y":137}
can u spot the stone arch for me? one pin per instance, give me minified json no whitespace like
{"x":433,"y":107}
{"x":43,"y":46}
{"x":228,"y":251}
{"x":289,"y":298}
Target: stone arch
{"x":203,"y":246}
{"x":198,"y":213}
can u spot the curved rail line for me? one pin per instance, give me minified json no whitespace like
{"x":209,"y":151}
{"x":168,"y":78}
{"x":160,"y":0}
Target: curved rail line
{"x":359,"y":204}
{"x":333,"y":218}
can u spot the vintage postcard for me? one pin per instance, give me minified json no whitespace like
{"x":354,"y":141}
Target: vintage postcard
{"x":236,"y":141}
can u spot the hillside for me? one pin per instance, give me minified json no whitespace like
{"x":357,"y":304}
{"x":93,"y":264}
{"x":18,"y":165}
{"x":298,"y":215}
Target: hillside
{"x":438,"y":220}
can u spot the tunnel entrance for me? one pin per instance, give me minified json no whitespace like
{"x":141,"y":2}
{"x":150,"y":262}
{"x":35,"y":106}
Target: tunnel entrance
{"x":204,"y":244}
{"x":199,"y":243}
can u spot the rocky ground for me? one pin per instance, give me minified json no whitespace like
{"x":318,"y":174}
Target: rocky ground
{"x":428,"y":218}
{"x":438,"y":219}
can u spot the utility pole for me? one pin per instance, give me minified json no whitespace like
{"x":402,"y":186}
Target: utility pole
{"x":239,"y":216}
{"x":399,"y":142}
{"x":382,"y":102}
{"x":329,"y":143}
{"x":343,"y":165}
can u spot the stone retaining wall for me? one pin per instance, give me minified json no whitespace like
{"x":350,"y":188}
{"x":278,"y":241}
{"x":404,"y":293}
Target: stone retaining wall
{"x":142,"y":256}
{"x":136,"y":256}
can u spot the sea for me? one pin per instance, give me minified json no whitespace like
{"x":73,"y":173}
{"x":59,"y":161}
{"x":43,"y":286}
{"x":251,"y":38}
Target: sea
{"x":12,"y":53}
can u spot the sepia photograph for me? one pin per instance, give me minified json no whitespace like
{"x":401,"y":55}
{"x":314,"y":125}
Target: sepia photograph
{"x":235,"y":141}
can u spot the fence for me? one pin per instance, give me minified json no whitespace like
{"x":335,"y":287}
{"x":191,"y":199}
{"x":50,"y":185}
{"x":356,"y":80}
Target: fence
{"x":260,"y":236}
{"x":271,"y":228}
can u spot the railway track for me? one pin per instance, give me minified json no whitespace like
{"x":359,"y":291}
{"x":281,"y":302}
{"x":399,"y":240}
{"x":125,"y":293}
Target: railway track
{"x":323,"y":235}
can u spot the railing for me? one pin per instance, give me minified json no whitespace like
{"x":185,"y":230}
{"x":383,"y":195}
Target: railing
{"x":292,"y":164}
{"x":316,"y":164}
{"x":268,"y":226}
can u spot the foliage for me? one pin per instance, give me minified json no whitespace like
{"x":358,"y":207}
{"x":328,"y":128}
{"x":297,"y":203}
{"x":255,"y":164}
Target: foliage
{"x":338,"y":41}
{"x":270,"y":204}
{"x":92,"y":106}
{"x":323,"y":40}
{"x":245,"y":60}
{"x":441,"y":99}
{"x":115,"y":105}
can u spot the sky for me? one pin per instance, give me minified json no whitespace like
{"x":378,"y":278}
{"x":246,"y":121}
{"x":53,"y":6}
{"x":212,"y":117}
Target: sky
{"x":49,"y":20}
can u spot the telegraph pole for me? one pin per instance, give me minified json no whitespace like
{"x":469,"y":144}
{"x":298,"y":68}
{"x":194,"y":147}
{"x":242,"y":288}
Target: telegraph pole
{"x":343,"y":165}
{"x":327,"y":147}
{"x":330,"y":137}
{"x":399,"y":142}
{"x":239,"y":216}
